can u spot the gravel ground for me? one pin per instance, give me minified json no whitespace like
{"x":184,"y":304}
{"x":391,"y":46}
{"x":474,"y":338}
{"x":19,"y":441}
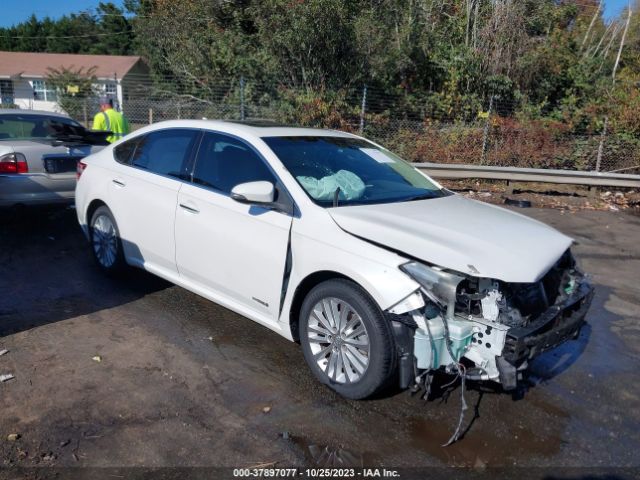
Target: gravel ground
{"x":569,"y":198}
{"x":138,"y":372}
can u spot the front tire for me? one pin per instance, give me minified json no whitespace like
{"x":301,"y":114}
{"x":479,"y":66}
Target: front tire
{"x":106,"y":244}
{"x":346,"y":340}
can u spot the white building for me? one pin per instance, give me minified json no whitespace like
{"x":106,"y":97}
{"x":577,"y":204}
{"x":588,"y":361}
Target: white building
{"x":23,"y":77}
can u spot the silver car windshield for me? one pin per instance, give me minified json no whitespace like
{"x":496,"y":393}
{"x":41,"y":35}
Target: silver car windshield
{"x":350,"y":171}
{"x":21,"y":126}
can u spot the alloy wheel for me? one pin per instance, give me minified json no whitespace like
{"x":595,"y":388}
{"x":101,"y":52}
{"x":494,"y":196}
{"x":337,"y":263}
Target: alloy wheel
{"x":105,"y":241}
{"x":339,"y":340}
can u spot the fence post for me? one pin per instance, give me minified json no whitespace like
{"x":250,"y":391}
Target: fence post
{"x":363,"y":108}
{"x":150,"y":116}
{"x":84,"y":113}
{"x":603,"y":135}
{"x":242,"y":112}
{"x":485,"y":133}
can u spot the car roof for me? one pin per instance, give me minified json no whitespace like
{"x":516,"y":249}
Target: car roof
{"x":19,"y":111}
{"x":258,"y":128}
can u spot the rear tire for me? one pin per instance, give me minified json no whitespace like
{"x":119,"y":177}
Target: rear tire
{"x":106,"y":244}
{"x":346,"y":340}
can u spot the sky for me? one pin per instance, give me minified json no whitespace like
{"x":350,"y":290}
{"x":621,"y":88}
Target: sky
{"x":15,"y":11}
{"x":612,"y":8}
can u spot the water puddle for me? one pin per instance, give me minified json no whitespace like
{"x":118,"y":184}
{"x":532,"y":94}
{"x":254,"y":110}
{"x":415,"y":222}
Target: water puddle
{"x":481,"y":447}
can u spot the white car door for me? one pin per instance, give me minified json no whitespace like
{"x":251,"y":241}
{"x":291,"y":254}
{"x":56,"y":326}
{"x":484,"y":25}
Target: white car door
{"x":236,"y":252}
{"x":144,"y":194}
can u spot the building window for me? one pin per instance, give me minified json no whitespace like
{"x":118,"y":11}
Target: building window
{"x":6,"y":92}
{"x":42,"y":92}
{"x":110,"y":89}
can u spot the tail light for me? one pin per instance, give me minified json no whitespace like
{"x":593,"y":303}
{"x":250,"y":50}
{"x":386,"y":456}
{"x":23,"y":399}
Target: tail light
{"x":79,"y":169}
{"x":13,"y":163}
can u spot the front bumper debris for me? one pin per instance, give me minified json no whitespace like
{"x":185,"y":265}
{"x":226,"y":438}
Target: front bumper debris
{"x":500,"y":352}
{"x":552,"y":328}
{"x":557,"y":325}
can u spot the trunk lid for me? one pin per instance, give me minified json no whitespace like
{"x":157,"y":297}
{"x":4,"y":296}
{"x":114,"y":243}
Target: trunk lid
{"x":47,"y":158}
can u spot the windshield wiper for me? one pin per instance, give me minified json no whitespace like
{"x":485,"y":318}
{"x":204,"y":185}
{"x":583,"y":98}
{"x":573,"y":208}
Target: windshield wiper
{"x":422,"y":196}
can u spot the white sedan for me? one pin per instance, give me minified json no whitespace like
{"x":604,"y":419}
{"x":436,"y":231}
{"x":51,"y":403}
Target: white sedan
{"x":332,"y":241}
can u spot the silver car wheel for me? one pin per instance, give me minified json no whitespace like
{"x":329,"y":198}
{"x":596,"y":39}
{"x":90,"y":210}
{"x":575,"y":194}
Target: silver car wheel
{"x":339,"y":340}
{"x":105,"y":241}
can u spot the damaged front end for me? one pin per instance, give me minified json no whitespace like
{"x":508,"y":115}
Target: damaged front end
{"x":496,"y":325}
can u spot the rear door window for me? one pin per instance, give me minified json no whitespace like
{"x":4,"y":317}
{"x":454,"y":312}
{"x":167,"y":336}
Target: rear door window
{"x":165,"y":152}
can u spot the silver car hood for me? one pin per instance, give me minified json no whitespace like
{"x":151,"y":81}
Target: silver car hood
{"x":460,"y":234}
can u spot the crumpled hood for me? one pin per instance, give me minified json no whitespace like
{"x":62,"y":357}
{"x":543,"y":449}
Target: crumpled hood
{"x":460,"y":234}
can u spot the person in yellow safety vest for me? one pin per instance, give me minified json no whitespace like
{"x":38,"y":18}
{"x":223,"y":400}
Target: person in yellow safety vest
{"x":108,"y":119}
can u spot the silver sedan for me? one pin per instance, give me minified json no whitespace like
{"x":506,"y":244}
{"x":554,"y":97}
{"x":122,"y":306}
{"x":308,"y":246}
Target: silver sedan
{"x":39,"y":154}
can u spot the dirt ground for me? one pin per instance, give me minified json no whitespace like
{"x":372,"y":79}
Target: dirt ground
{"x":570,"y":198}
{"x":138,"y":372}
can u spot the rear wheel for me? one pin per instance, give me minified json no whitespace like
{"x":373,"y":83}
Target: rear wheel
{"x":345,"y":339}
{"x":106,"y":245}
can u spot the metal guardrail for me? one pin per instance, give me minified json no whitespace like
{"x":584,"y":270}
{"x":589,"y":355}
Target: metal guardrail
{"x":514,"y":174}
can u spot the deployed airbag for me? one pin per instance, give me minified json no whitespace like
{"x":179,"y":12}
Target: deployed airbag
{"x":351,"y":186}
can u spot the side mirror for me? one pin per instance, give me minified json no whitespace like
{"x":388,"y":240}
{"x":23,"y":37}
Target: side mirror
{"x":254,"y":193}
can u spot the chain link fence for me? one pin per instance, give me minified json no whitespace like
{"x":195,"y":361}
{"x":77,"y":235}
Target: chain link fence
{"x":475,"y":132}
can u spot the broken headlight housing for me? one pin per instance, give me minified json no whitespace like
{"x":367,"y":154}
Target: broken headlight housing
{"x":438,"y":285}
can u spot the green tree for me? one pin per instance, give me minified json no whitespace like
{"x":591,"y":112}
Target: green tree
{"x":104,"y":31}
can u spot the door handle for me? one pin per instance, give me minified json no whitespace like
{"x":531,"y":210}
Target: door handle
{"x":189,"y":209}
{"x":118,"y":183}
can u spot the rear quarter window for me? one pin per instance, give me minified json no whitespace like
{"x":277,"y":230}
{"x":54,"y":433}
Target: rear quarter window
{"x":123,"y":152}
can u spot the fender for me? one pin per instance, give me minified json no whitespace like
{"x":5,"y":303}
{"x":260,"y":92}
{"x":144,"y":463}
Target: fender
{"x":320,"y":245}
